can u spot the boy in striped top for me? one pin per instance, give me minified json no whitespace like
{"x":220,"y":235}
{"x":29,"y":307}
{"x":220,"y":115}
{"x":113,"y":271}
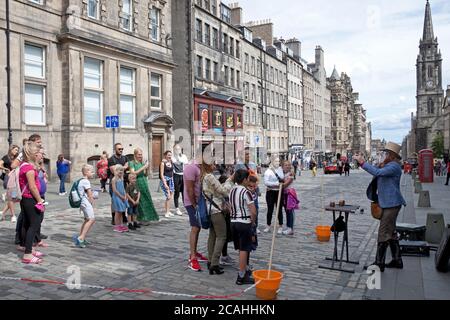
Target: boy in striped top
{"x":243,"y":217}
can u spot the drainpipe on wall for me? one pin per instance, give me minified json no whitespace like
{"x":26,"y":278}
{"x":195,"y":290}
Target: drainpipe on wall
{"x":8,"y":74}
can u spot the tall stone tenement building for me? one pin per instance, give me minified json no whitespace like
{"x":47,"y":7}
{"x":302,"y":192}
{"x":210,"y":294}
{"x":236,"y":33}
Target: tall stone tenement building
{"x":207,"y":83}
{"x":322,"y":106}
{"x":273,"y":83}
{"x":75,"y":61}
{"x":291,"y":55}
{"x":350,"y":131}
{"x":429,"y":120}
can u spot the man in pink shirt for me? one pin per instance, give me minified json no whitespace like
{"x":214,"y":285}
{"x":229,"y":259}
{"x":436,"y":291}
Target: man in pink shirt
{"x":192,"y":183}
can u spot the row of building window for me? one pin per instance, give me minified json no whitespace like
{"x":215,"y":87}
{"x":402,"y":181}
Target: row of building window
{"x":277,"y":143}
{"x":210,"y":71}
{"x":295,"y":90}
{"x":209,"y":36}
{"x":295,"y":135}
{"x":253,"y":66}
{"x":93,"y":93}
{"x":295,"y":111}
{"x":208,"y":5}
{"x":126,"y":16}
{"x":294,"y":69}
{"x":271,"y":98}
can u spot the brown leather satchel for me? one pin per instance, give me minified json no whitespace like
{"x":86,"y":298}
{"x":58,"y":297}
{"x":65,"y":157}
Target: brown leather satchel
{"x":376,"y":210}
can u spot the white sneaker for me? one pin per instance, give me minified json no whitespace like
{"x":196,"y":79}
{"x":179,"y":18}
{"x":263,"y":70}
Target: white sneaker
{"x":288,"y":232}
{"x":258,"y":231}
{"x":168,"y":215}
{"x":62,"y":193}
{"x":280,"y":230}
{"x":179,"y":212}
{"x":13,"y":219}
{"x":267,"y":229}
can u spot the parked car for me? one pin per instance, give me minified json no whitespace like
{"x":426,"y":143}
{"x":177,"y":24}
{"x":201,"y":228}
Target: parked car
{"x":329,"y":169}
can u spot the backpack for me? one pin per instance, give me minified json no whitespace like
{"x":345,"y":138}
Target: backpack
{"x":74,"y":195}
{"x":13,"y":190}
{"x":203,"y":211}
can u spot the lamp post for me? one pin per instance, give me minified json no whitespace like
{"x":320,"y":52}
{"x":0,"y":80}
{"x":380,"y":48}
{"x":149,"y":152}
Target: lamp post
{"x":8,"y":74}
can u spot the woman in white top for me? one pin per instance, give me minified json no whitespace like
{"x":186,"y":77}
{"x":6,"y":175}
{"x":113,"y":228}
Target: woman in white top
{"x":273,"y":177}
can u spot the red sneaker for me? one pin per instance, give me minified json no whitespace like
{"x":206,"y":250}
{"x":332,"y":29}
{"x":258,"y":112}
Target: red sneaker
{"x":194,"y":265}
{"x":201,"y":257}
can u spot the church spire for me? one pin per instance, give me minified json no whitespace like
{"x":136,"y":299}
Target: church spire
{"x":428,"y":34}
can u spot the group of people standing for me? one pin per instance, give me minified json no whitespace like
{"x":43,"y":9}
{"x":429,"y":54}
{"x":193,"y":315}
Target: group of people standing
{"x":234,"y":208}
{"x":25,"y":180}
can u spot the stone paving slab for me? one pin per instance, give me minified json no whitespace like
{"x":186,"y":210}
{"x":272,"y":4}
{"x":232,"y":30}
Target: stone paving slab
{"x":155,"y":257}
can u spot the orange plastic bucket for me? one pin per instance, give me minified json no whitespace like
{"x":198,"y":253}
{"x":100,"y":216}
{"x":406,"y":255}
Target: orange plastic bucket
{"x":267,"y":285}
{"x":323,"y":233}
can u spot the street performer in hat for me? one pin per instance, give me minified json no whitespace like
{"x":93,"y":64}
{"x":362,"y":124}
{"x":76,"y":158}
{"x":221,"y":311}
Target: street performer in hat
{"x":390,"y":200}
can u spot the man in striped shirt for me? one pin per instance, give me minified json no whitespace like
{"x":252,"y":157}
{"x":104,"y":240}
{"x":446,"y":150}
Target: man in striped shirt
{"x":243,"y":217}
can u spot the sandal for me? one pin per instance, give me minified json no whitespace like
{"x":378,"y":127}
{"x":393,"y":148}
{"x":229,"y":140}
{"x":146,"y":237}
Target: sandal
{"x":42,"y":244}
{"x":37,"y":254}
{"x":34,"y":260}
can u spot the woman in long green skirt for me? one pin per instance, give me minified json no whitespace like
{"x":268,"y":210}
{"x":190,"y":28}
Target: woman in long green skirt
{"x":146,"y":209}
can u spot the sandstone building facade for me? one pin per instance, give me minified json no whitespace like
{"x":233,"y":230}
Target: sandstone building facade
{"x":75,"y":61}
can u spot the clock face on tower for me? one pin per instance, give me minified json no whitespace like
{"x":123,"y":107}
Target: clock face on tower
{"x":430,"y":83}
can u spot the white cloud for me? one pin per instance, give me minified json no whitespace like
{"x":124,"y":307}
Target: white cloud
{"x":375,"y":42}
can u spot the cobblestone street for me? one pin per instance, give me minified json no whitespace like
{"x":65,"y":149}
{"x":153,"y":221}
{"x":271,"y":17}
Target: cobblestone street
{"x":155,"y":257}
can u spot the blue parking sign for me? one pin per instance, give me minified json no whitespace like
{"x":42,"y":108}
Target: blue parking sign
{"x":114,"y":121}
{"x":108,"y":122}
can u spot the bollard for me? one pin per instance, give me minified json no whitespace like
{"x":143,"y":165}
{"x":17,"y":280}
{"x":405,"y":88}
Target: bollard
{"x":435,"y":227}
{"x":424,"y":199}
{"x":417,"y":187}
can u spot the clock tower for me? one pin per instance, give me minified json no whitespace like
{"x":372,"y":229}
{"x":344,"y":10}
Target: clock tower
{"x":429,"y":86}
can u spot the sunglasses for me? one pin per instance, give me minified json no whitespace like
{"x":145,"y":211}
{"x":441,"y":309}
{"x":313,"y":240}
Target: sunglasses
{"x":120,"y":149}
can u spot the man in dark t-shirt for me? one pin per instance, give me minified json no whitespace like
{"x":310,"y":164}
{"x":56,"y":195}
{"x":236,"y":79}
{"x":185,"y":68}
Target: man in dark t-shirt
{"x":117,"y":158}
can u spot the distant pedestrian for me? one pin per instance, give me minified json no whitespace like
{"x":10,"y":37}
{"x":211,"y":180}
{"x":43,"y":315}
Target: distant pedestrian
{"x":86,"y":207}
{"x":448,"y":172}
{"x":134,"y":196}
{"x":62,"y":169}
{"x":119,"y":198}
{"x":295,"y":166}
{"x":313,"y":167}
{"x":243,"y":218}
{"x":347,"y":168}
{"x":5,"y":165}
{"x":179,"y":160}
{"x":102,"y":170}
{"x":390,"y":200}
{"x":166,"y":181}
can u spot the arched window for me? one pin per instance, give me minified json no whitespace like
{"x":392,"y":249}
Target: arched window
{"x":430,"y":106}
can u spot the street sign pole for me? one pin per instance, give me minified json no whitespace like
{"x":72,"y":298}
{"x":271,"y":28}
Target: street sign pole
{"x":114,"y":139}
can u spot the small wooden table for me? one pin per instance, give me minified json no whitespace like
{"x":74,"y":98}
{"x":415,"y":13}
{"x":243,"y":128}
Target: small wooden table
{"x":341,"y":210}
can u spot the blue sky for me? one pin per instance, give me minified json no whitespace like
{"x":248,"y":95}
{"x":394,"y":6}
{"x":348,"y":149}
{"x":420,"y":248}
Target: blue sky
{"x":374,"y":41}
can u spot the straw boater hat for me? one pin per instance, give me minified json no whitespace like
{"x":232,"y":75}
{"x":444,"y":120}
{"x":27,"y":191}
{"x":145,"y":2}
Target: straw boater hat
{"x":393,"y":147}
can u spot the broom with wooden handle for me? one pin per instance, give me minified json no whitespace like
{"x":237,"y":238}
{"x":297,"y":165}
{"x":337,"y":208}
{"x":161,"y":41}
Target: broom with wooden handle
{"x":280,"y":189}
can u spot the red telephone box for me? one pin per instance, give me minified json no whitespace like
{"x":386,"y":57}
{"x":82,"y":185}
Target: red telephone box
{"x":426,"y":166}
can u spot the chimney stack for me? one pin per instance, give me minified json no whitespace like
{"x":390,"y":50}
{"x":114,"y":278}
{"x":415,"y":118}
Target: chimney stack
{"x":236,"y":14}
